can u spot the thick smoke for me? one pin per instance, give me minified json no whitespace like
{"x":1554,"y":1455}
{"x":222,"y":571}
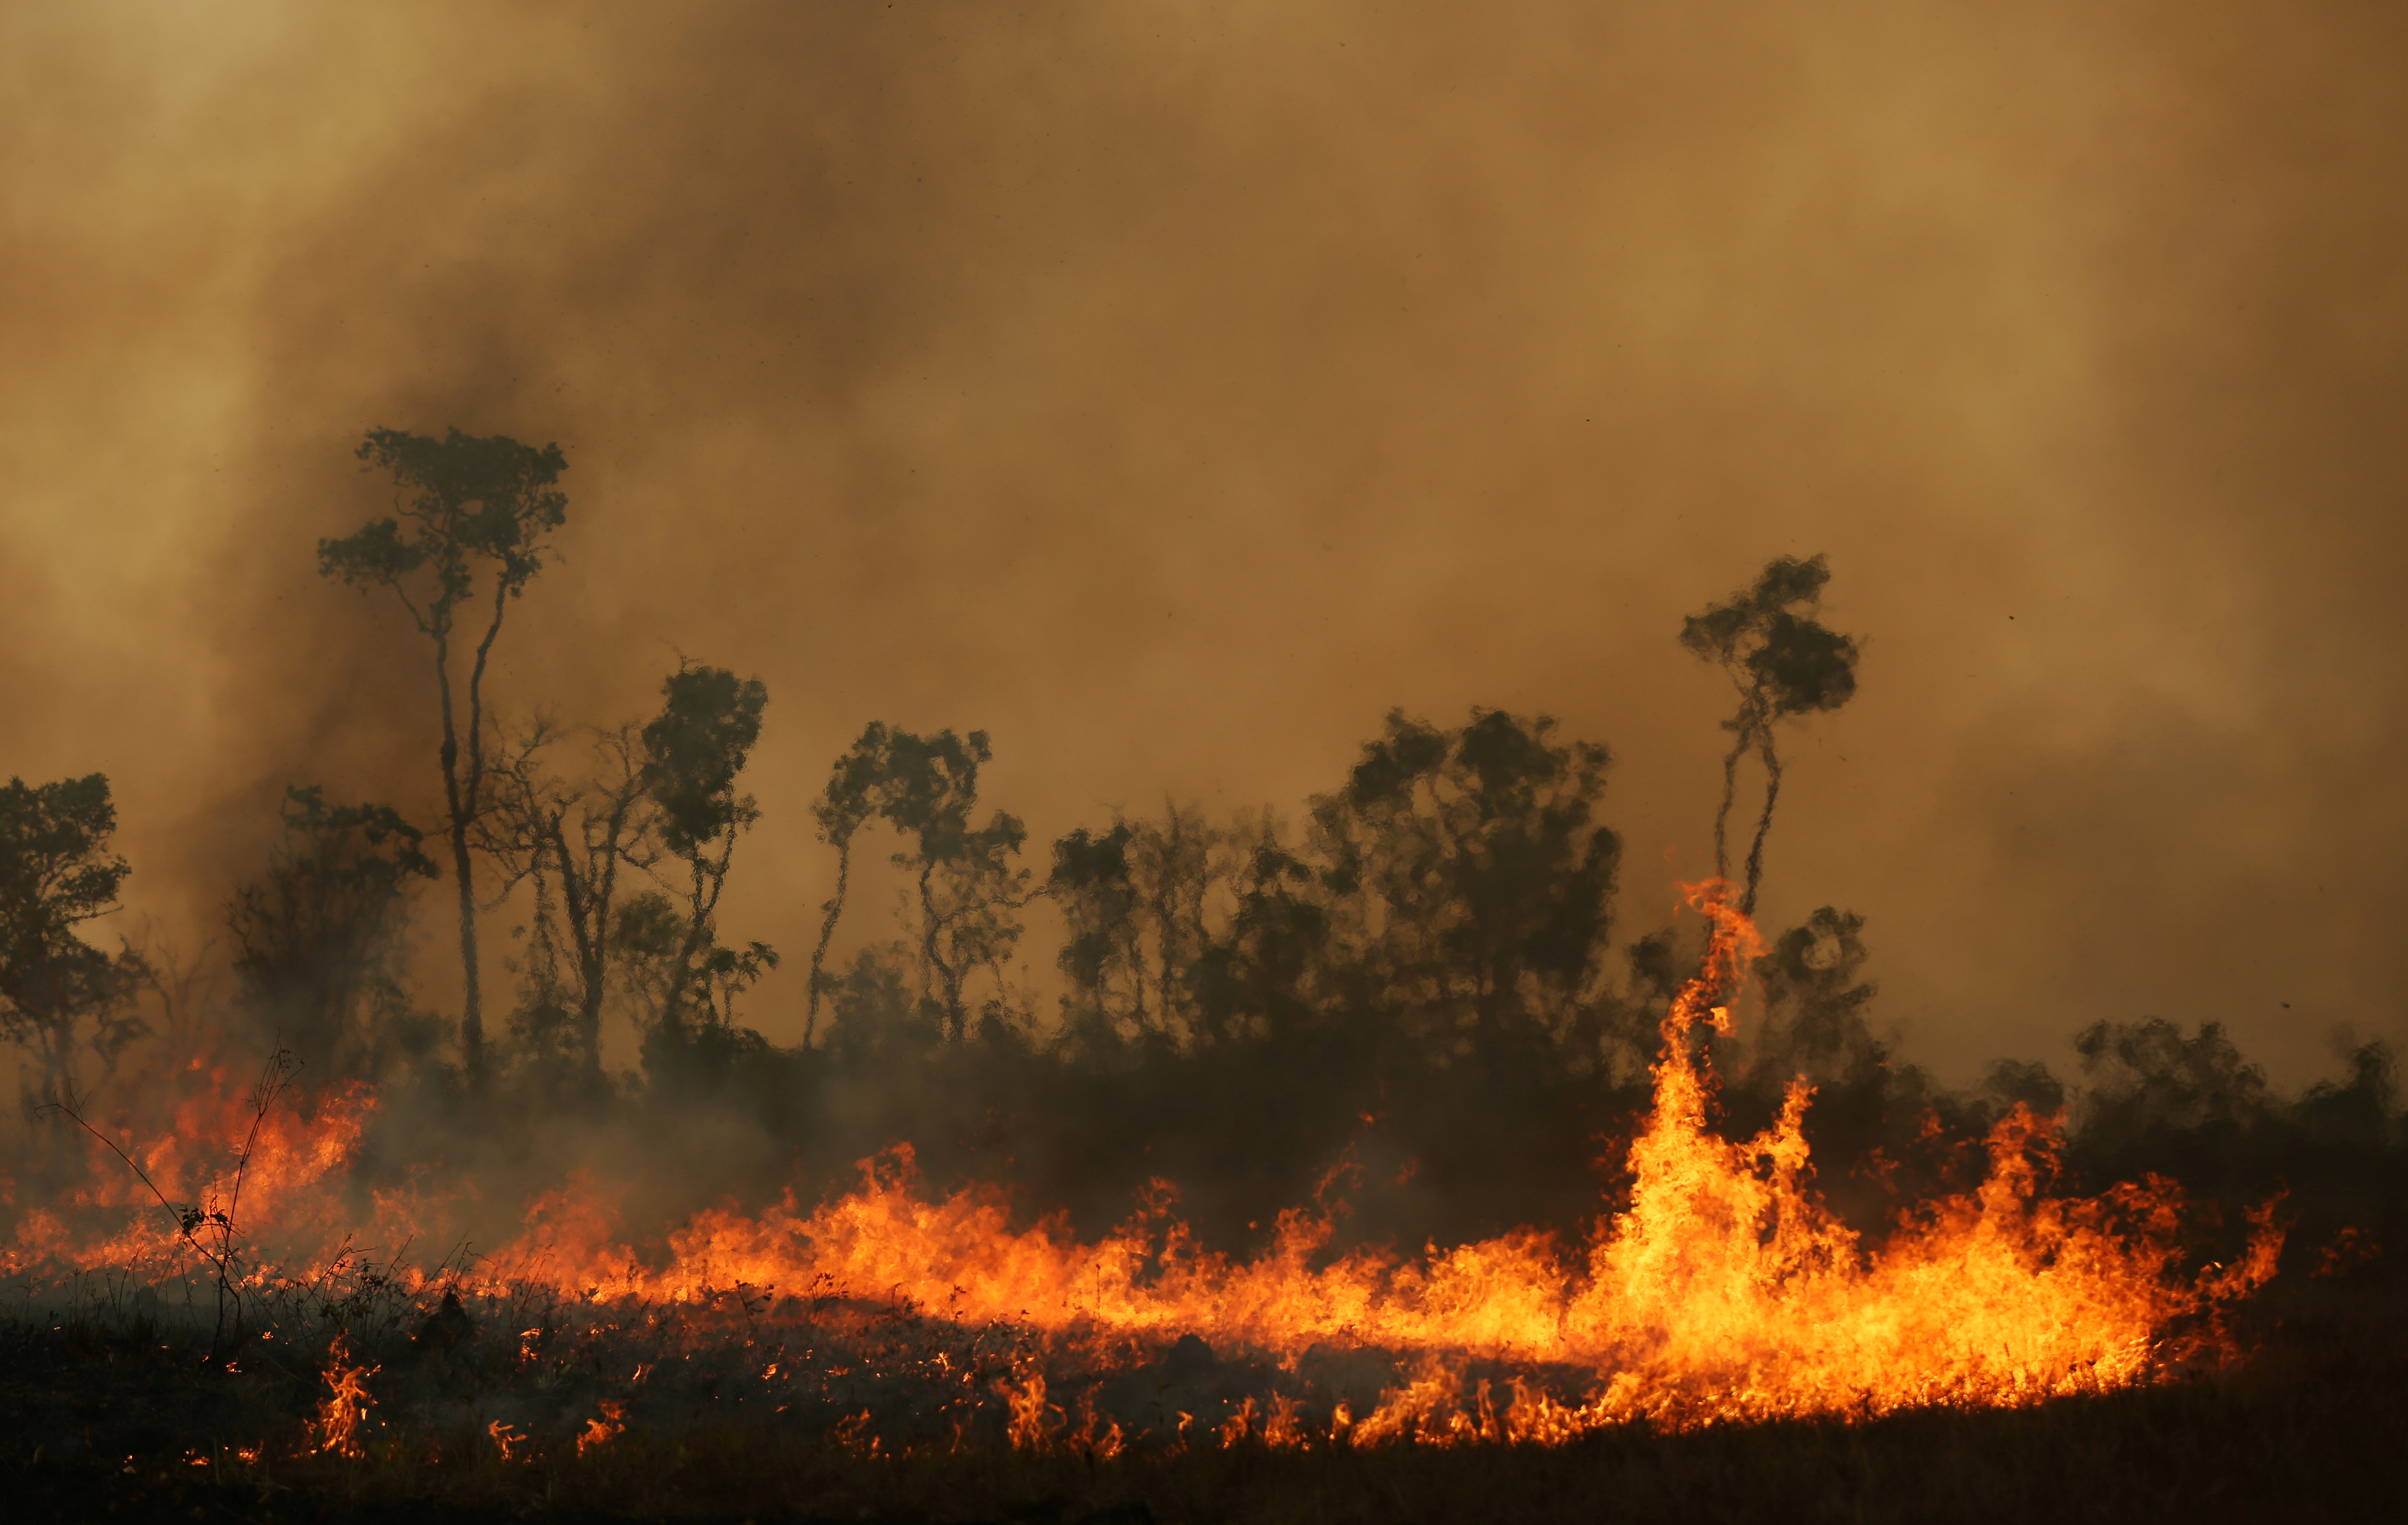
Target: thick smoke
{"x":1171,"y":389}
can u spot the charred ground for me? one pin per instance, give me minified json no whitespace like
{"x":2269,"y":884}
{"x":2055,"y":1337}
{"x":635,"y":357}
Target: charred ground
{"x":102,"y":1421}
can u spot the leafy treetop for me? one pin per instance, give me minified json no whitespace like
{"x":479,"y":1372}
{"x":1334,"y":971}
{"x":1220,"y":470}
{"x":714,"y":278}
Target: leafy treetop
{"x":469,"y":498}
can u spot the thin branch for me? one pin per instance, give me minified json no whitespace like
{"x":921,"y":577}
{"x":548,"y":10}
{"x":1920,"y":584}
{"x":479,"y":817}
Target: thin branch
{"x":68,"y":1107}
{"x":272,"y":1082}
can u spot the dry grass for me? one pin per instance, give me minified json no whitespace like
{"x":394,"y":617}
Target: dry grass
{"x":105,"y":1414}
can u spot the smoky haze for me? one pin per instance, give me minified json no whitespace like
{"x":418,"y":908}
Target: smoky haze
{"x":1171,"y":389}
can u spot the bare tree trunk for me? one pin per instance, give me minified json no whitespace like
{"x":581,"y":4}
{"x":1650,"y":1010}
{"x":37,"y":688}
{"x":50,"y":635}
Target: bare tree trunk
{"x":472,"y":1021}
{"x":956,"y":1020}
{"x":466,"y":804}
{"x":834,"y":907}
{"x":1730,"y":790}
{"x":1764,"y":823}
{"x":586,"y":905}
{"x":703,"y":904}
{"x":593,"y":969}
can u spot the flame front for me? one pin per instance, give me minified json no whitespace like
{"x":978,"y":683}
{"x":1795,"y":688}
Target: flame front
{"x":1723,"y":1293}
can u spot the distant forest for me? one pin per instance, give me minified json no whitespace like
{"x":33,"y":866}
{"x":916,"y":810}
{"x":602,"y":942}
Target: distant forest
{"x":1413,"y":999}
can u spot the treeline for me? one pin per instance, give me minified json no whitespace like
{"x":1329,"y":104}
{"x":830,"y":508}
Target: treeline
{"x":1414,"y":998}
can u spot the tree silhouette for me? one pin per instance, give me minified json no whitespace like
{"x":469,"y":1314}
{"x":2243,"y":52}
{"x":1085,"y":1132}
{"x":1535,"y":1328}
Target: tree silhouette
{"x":570,"y":841}
{"x":970,"y":889}
{"x":464,"y":501}
{"x":855,"y":787}
{"x":1174,"y":865}
{"x":1267,"y":976}
{"x":1474,"y":873}
{"x":56,"y":872}
{"x":1815,"y":998}
{"x":1784,"y":665}
{"x":314,"y":934}
{"x":1091,"y":881}
{"x":708,"y":721}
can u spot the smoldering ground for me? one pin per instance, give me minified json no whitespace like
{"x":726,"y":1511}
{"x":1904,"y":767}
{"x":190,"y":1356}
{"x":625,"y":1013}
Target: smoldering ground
{"x":1171,"y":390}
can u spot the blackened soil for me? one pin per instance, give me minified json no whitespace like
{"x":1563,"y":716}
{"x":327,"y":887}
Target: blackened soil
{"x":110,"y":1426}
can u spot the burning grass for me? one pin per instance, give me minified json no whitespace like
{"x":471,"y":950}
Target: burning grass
{"x":918,"y":1353}
{"x":105,"y":1412}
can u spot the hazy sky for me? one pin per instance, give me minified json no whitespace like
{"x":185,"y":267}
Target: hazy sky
{"x":1171,"y":389}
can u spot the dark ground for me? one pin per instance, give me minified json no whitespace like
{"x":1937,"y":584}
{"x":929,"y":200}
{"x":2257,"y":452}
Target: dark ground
{"x":108,"y":1423}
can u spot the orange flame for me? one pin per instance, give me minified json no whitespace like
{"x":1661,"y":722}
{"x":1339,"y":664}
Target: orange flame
{"x":506,"y":1437}
{"x":603,"y":1430}
{"x":1033,"y":1419}
{"x":286,"y":1178}
{"x":1723,"y":1291}
{"x":340,"y":1417}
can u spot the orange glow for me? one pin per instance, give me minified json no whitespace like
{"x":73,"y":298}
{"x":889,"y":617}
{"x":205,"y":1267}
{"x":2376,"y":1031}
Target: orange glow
{"x":346,"y":1407}
{"x":1723,"y":1291}
{"x":603,"y":1430}
{"x":289,"y":1181}
{"x":1033,"y":1419}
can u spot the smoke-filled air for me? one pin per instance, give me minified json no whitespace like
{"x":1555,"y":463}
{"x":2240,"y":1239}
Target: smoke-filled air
{"x":1113,"y":763}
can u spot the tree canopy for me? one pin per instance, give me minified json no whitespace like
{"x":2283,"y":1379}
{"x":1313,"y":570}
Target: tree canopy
{"x":1784,"y":664}
{"x":56,"y":875}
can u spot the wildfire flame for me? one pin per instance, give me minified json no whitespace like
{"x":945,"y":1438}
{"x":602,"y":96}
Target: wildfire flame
{"x":1723,"y":1293}
{"x":340,"y":1417}
{"x":506,"y":1437}
{"x":602,"y":1431}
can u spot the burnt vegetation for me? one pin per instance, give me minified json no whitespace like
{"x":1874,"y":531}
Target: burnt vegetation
{"x":1412,"y":1003}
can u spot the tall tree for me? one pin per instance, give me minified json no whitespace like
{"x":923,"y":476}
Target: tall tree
{"x":1175,"y":865}
{"x":1784,"y":665}
{"x":572,"y":841}
{"x":855,"y":788}
{"x":970,"y":889}
{"x":1092,"y":883}
{"x":708,"y":721}
{"x":463,"y":503}
{"x":56,"y":873}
